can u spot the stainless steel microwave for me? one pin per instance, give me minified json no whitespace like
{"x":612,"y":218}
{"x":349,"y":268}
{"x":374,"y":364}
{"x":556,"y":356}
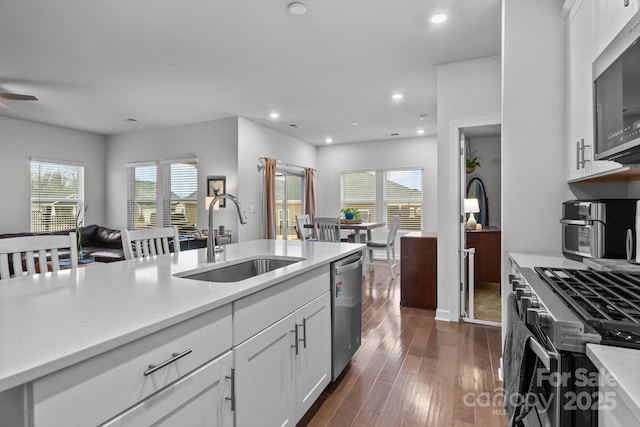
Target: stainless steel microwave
{"x":616,"y":74}
{"x":597,"y":228}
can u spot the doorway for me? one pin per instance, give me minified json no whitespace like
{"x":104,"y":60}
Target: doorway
{"x":481,"y":201}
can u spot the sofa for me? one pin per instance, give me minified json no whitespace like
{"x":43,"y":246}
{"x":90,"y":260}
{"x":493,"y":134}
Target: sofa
{"x":103,"y":243}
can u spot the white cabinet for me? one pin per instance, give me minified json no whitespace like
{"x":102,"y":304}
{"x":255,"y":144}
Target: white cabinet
{"x":97,"y":389}
{"x":201,"y":398}
{"x":610,"y":17}
{"x":580,"y":132}
{"x":282,"y":370}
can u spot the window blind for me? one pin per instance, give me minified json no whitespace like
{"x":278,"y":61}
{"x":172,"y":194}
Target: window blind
{"x":182,"y":206}
{"x":142,"y":196}
{"x":403,"y":196}
{"x":359,"y":192}
{"x":56,"y":195}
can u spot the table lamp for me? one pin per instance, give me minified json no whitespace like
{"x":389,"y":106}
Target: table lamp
{"x":471,"y":206}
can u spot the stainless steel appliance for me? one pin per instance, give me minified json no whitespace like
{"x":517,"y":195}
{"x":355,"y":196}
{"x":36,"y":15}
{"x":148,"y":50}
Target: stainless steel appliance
{"x":597,"y":228}
{"x":617,"y":97}
{"x":346,"y":310}
{"x":565,"y":309}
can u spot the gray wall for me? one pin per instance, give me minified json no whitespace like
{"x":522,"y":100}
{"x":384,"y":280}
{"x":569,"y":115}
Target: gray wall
{"x":533,"y":128}
{"x":255,"y":141}
{"x":214,"y":143}
{"x":488,"y":151}
{"x":468,"y":94}
{"x":399,"y":153}
{"x":22,"y":140}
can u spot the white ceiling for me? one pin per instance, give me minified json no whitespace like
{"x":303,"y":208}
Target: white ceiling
{"x":93,"y":64}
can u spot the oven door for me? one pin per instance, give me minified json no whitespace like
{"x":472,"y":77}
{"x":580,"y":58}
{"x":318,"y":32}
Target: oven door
{"x":566,"y":391}
{"x":582,"y":239}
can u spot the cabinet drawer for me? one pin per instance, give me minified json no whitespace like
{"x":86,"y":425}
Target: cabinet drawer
{"x":95,"y":390}
{"x":199,"y":399}
{"x":262,"y":309}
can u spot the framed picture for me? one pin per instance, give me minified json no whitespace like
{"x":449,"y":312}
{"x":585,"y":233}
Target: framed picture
{"x":217,"y":184}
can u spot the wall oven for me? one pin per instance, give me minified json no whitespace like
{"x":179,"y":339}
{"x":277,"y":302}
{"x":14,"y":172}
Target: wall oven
{"x":565,"y":309}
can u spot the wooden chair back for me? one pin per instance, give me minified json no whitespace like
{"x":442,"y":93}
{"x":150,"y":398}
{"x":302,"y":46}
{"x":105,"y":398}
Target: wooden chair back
{"x":148,"y":242}
{"x":327,"y":229}
{"x":31,"y":255}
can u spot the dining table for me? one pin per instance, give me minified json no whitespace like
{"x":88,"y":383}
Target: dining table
{"x":358,"y":228}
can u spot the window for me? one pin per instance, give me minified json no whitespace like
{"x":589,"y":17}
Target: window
{"x":289,"y":201}
{"x":403,"y":196}
{"x":182,"y":196}
{"x":384,"y":193}
{"x":142,"y":199}
{"x":163,"y":194}
{"x":359,"y":191}
{"x":57,"y":195}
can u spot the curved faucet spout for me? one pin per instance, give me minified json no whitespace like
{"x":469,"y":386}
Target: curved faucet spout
{"x":211,"y":240}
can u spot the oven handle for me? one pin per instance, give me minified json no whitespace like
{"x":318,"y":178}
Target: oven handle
{"x":576,"y":221}
{"x":544,"y":356}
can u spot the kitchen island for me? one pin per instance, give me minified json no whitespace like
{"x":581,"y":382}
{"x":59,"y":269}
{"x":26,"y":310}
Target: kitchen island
{"x":56,"y":324}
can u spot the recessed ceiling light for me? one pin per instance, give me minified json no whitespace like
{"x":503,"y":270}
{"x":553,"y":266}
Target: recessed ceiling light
{"x":328,"y":140}
{"x":394,"y":134}
{"x":355,"y":123}
{"x":396,"y":96}
{"x":297,"y":8}
{"x":130,"y":119}
{"x":295,"y":126}
{"x":274,"y":115}
{"x":423,"y":116}
{"x":420,"y":131}
{"x":439,"y":18}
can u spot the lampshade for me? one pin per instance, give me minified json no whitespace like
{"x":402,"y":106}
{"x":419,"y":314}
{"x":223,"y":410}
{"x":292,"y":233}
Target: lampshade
{"x":208,"y":203}
{"x":471,"y":205}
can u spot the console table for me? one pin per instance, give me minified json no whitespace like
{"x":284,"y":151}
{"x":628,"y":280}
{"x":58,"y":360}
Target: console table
{"x":418,"y":269}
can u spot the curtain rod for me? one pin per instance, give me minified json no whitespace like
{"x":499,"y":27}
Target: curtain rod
{"x":261,"y":164}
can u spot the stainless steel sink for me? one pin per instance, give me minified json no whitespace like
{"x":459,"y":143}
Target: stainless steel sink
{"x":240,"y":271}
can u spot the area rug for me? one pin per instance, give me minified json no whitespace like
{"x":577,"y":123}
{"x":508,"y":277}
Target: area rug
{"x":487,"y":304}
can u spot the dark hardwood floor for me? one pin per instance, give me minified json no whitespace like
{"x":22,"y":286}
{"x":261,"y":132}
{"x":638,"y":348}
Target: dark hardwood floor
{"x":412,"y":370}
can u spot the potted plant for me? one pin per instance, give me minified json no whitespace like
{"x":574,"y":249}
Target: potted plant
{"x":472,"y":164}
{"x":350,"y":213}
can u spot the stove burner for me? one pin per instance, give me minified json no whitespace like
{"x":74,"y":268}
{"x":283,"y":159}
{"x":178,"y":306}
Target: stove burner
{"x":608,"y":301}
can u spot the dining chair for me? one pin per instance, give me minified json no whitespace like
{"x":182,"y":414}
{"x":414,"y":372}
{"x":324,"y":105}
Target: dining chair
{"x":304,"y":233}
{"x":389,"y":245}
{"x":327,"y":229}
{"x":36,"y":254}
{"x":148,"y":242}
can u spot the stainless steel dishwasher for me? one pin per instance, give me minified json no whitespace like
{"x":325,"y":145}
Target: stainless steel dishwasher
{"x":346,"y":310}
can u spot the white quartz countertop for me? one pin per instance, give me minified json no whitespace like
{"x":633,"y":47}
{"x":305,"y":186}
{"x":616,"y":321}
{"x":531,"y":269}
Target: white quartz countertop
{"x":622,"y":373}
{"x":51,"y":321}
{"x":526,"y":260}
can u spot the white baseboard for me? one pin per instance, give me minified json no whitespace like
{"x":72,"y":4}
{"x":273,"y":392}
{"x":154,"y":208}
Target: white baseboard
{"x":444,"y":315}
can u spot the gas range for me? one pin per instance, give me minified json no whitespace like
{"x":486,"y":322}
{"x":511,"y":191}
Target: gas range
{"x":608,"y":302}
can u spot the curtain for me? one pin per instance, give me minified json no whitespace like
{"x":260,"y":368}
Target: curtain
{"x":270,"y":198}
{"x":310,"y":193}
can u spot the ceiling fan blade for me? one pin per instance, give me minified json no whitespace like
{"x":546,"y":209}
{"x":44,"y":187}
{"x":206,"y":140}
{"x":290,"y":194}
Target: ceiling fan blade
{"x":5,"y":107}
{"x":17,"y":97}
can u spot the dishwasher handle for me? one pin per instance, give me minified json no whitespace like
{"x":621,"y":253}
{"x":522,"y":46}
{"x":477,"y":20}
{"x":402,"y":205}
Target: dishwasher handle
{"x":341,"y":269}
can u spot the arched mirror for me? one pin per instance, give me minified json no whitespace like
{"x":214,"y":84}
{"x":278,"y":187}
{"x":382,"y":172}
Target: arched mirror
{"x":475,"y":190}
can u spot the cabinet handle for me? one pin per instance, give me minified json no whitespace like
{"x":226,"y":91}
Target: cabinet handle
{"x":174,"y":357}
{"x":626,"y":3}
{"x":296,"y":339}
{"x":577,"y":155}
{"x":232,"y":399}
{"x":304,"y":333}
{"x":582,"y":148}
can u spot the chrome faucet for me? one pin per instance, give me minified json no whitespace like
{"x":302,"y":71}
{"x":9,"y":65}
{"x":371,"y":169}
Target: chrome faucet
{"x":211,"y":240}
